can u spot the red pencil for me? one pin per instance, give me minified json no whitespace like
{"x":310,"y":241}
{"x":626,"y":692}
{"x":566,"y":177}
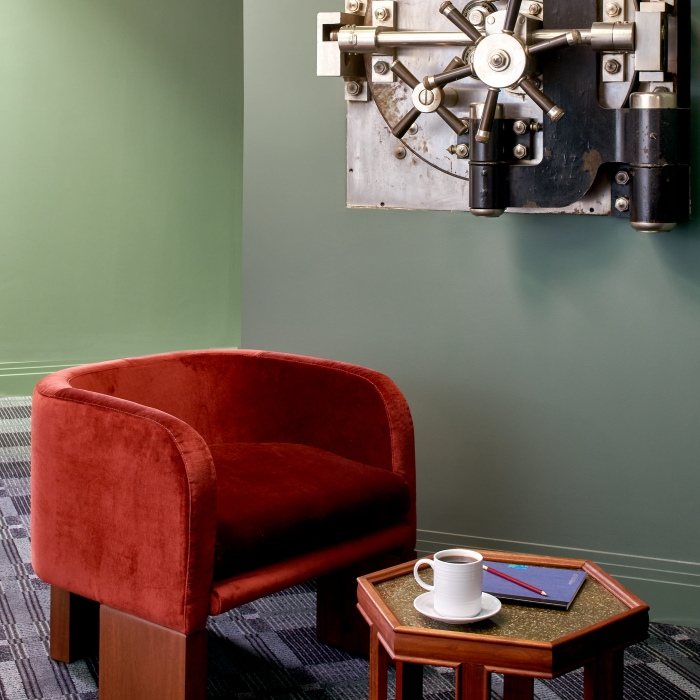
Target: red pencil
{"x":514,"y":580}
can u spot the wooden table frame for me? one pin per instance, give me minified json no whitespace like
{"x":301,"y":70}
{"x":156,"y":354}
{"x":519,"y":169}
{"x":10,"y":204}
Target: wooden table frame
{"x":598,"y":648}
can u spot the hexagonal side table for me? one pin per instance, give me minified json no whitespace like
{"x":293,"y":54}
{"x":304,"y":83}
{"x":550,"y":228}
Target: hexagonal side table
{"x":521,"y":642}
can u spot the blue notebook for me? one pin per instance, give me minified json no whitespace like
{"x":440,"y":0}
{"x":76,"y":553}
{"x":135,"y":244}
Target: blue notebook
{"x":560,"y":585}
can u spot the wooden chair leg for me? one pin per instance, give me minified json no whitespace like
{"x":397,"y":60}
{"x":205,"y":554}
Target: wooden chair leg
{"x":142,"y":661}
{"x":603,"y":678}
{"x":338,"y":622}
{"x":473,"y":682}
{"x":409,"y":681}
{"x":518,"y":687}
{"x":75,"y":626}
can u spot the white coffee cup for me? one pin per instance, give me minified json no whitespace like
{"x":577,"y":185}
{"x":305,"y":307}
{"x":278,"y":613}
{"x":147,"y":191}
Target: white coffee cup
{"x":458,"y":580}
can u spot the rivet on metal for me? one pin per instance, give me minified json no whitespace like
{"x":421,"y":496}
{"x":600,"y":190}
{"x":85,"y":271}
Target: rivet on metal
{"x":413,"y":130}
{"x":622,"y":204}
{"x":382,"y":14}
{"x":400,"y":152}
{"x":381,"y":67}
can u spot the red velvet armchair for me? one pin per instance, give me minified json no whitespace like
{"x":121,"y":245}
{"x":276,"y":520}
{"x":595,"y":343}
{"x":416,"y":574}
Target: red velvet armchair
{"x":169,"y":488}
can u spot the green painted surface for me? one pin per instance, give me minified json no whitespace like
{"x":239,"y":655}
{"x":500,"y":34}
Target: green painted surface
{"x":552,"y":363}
{"x":120,"y":180}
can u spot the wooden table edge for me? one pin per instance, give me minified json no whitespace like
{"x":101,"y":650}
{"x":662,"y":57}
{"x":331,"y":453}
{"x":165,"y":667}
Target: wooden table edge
{"x":472,"y":637}
{"x":613,"y":586}
{"x":376,"y":611}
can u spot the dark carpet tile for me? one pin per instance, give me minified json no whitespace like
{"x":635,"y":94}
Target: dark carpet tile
{"x":15,"y":439}
{"x":266,"y":650}
{"x":10,"y":412}
{"x":310,"y":652}
{"x":14,"y":470}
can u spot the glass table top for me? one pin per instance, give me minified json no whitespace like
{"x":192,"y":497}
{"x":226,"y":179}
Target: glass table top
{"x":593,"y":604}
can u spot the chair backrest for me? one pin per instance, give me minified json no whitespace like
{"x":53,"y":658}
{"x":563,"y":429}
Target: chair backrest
{"x":250,"y":396}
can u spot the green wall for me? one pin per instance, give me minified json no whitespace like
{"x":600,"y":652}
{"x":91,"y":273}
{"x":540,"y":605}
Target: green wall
{"x":120,"y":180}
{"x":552,"y":364}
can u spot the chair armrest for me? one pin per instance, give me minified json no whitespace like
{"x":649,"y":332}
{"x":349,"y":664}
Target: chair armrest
{"x":123,"y":505}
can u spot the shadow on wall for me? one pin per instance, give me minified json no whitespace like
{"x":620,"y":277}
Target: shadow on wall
{"x":680,"y":249}
{"x":549,"y":249}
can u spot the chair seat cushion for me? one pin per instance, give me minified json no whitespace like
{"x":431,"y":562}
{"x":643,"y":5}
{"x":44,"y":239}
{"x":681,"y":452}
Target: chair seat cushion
{"x":276,"y":500}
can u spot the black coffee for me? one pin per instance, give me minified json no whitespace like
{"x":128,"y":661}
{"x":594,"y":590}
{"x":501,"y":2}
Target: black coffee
{"x":457,"y":560}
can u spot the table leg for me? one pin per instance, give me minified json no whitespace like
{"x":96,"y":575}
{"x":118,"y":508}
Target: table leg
{"x":409,"y":681}
{"x":378,"y":663}
{"x":603,"y":678}
{"x":472,"y":683}
{"x":518,"y":687}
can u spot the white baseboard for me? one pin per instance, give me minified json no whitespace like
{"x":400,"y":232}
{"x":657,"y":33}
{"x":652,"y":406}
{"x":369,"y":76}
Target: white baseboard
{"x":632,"y":567}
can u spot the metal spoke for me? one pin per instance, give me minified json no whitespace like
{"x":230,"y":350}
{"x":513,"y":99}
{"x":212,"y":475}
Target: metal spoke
{"x":541,"y":100}
{"x":511,"y":16}
{"x":449,"y":76}
{"x":402,"y":72}
{"x":483,"y":135}
{"x":460,"y":21}
{"x":401,"y":129}
{"x":452,"y":120}
{"x":572,"y":38}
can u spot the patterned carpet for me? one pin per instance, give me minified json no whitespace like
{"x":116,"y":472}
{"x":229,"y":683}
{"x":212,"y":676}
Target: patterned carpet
{"x":266,"y":649}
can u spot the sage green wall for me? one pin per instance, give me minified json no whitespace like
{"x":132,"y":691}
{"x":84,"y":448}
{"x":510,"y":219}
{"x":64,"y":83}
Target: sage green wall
{"x":120,"y":180}
{"x":552,"y":364}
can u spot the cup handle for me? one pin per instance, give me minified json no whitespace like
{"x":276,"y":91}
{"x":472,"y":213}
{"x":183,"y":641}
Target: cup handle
{"x":420,"y":581}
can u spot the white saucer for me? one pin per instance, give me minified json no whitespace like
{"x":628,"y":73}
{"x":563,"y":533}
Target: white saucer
{"x":489,"y":607}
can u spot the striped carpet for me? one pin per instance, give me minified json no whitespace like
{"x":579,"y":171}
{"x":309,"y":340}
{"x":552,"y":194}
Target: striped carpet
{"x":266,"y":649}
